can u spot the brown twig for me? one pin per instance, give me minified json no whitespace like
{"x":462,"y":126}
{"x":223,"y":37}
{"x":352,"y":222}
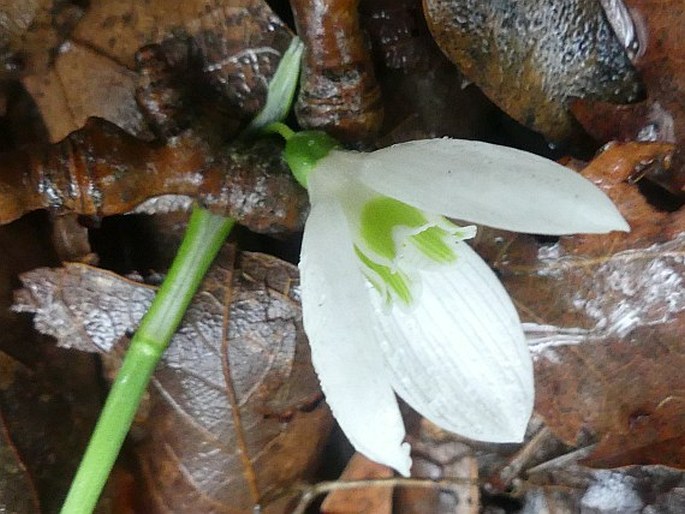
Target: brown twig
{"x":309,"y":492}
{"x":339,"y":92}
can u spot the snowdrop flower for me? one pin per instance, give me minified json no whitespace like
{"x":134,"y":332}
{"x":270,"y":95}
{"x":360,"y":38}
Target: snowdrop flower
{"x":394,"y":302}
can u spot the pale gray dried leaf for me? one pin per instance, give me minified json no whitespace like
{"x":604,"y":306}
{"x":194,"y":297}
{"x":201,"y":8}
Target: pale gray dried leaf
{"x":634,"y":489}
{"x":83,"y":307}
{"x":90,"y":309}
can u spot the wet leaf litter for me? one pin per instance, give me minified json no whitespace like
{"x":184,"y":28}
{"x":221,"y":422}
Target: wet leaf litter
{"x":258,"y":336}
{"x":622,"y":317}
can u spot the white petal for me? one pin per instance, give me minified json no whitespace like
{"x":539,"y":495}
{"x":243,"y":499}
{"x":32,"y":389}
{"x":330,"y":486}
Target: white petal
{"x":345,"y":351}
{"x":490,"y":185}
{"x":459,"y":356}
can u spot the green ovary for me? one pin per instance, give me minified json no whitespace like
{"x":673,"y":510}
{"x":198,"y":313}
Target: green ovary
{"x":379,"y":218}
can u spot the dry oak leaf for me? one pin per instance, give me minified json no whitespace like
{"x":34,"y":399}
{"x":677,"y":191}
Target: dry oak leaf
{"x":605,"y":320}
{"x":660,"y":26}
{"x":240,"y":43}
{"x":233,"y":421}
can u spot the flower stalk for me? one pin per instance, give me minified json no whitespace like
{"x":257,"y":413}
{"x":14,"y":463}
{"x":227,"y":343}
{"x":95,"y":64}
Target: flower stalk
{"x":205,"y":234}
{"x":204,"y":237}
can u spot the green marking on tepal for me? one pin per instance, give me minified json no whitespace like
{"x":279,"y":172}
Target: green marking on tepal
{"x":395,"y":281}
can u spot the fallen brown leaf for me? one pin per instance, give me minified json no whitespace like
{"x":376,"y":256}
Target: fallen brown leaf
{"x":338,"y":90}
{"x":47,"y":410}
{"x":49,"y":398}
{"x":439,"y":455}
{"x":31,"y":33}
{"x":81,"y":84}
{"x":605,"y":319}
{"x":661,"y":30}
{"x":17,"y":490}
{"x":239,"y":42}
{"x":423,"y":94}
{"x":232,"y":422}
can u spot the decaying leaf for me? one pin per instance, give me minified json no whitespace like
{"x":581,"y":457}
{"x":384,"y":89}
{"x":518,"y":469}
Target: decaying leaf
{"x":398,"y":33}
{"x":31,"y":32}
{"x":605,"y":318}
{"x":49,"y":402}
{"x":200,"y":454}
{"x":530,"y":57}
{"x":661,"y":29}
{"x":423,"y":94}
{"x":49,"y":398}
{"x":238,"y":44}
{"x":83,"y":83}
{"x":631,"y":490}
{"x":47,"y":409}
{"x":70,"y":240}
{"x":101,"y":170}
{"x":17,"y":491}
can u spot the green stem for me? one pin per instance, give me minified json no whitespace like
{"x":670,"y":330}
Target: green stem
{"x":204,"y":236}
{"x":279,"y":128}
